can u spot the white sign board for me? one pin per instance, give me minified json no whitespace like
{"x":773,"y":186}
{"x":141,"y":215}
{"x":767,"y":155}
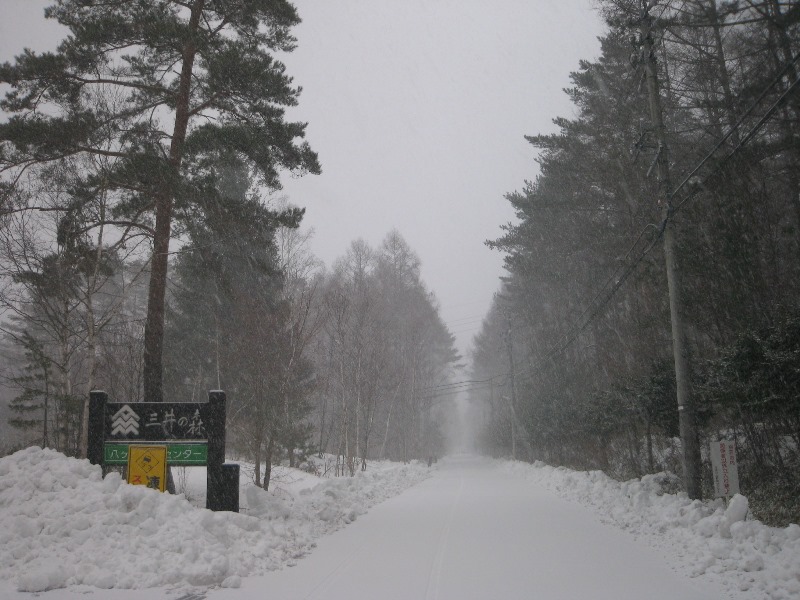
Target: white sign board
{"x":723,"y":465}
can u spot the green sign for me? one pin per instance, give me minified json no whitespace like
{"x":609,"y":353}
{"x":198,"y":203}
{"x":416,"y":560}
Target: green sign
{"x":178,"y":455}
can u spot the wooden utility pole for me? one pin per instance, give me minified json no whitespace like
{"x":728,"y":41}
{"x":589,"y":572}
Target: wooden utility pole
{"x":686,"y":413}
{"x":510,"y":349}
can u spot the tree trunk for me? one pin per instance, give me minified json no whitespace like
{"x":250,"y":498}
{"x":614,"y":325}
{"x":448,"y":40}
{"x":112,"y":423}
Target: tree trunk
{"x":62,"y":432}
{"x":778,"y":26}
{"x":386,"y":431}
{"x":154,"y":326}
{"x":268,"y":462}
{"x":46,"y":416}
{"x":91,"y":335}
{"x":257,"y":474}
{"x":722,"y":68}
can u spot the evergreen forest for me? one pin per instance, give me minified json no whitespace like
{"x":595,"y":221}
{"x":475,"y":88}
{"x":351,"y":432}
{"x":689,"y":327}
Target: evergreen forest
{"x":647,"y":309}
{"x":576,"y":354}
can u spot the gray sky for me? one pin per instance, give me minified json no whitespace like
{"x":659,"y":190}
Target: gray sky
{"x":417,"y":109}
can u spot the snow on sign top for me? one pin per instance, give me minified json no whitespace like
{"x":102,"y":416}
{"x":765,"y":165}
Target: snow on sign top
{"x":723,"y":465}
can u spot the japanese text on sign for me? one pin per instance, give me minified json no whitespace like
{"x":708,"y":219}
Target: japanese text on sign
{"x":723,"y":466}
{"x":147,"y":465}
{"x":148,"y":421}
{"x":180,"y":454}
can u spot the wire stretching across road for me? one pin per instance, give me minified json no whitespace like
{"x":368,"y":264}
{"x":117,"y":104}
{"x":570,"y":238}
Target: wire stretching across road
{"x":457,"y":387}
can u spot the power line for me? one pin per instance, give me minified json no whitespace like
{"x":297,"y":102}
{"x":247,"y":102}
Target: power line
{"x":455,"y":393}
{"x":457,"y":383}
{"x":613,"y":275}
{"x":571,"y":337}
{"x":472,"y":317}
{"x":459,"y":387}
{"x":750,"y":134}
{"x":594,"y":310}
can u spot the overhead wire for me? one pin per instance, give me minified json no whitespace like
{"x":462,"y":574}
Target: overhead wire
{"x":627,"y":271}
{"x":738,"y":124}
{"x":459,"y":387}
{"x":457,"y":383}
{"x":593,"y":310}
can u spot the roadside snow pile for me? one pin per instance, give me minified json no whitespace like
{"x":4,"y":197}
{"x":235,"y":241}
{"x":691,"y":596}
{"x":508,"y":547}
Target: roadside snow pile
{"x":62,"y":524}
{"x":707,"y":538}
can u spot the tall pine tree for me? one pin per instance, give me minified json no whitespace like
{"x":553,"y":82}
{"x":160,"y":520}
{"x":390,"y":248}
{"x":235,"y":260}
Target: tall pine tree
{"x":229,"y":325}
{"x":156,"y":89}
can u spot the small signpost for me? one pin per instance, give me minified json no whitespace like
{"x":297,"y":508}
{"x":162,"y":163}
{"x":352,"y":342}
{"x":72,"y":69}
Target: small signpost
{"x":147,"y":465}
{"x":723,"y":466}
{"x":149,"y":435}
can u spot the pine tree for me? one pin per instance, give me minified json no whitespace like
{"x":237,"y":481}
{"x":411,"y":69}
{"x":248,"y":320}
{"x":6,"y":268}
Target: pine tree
{"x":229,"y":325}
{"x":159,"y":89}
{"x":34,"y":402}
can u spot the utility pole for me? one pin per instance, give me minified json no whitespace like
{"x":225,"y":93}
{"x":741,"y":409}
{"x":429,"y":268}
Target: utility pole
{"x":686,"y":413}
{"x":510,"y":349}
{"x":491,"y":403}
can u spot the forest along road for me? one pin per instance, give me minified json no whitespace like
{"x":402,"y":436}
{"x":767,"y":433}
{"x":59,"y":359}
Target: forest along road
{"x":474,"y":532}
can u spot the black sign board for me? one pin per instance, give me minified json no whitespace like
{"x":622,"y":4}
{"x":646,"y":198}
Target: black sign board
{"x":194,"y":427}
{"x":156,"y":421}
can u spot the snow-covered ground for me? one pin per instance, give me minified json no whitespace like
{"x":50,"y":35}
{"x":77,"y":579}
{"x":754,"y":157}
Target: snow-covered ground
{"x":706,"y":540}
{"x":475,"y":529}
{"x":62,"y":524}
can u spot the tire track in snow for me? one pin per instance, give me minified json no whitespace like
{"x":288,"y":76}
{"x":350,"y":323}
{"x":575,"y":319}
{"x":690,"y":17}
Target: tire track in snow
{"x":323,"y":586}
{"x":435,"y":577}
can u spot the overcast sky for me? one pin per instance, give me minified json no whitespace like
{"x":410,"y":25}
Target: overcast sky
{"x":417,"y":109}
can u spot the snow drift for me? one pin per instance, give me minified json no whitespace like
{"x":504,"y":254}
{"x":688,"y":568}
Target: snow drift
{"x":62,"y":524}
{"x":706,"y":538}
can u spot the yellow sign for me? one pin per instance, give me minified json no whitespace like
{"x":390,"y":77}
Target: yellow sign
{"x":147,"y":465}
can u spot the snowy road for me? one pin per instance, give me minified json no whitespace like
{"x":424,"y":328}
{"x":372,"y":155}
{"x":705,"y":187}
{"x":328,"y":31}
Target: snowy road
{"x":472,"y":532}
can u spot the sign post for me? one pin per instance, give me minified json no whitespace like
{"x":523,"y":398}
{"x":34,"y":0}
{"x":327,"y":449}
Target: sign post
{"x":190,"y":433}
{"x":147,"y":465}
{"x":723,"y":466}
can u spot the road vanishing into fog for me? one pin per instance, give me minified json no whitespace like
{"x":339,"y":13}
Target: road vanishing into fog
{"x":474,"y":532}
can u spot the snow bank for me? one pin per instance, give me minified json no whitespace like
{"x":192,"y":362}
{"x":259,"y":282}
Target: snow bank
{"x":62,"y":524}
{"x":707,"y":538}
